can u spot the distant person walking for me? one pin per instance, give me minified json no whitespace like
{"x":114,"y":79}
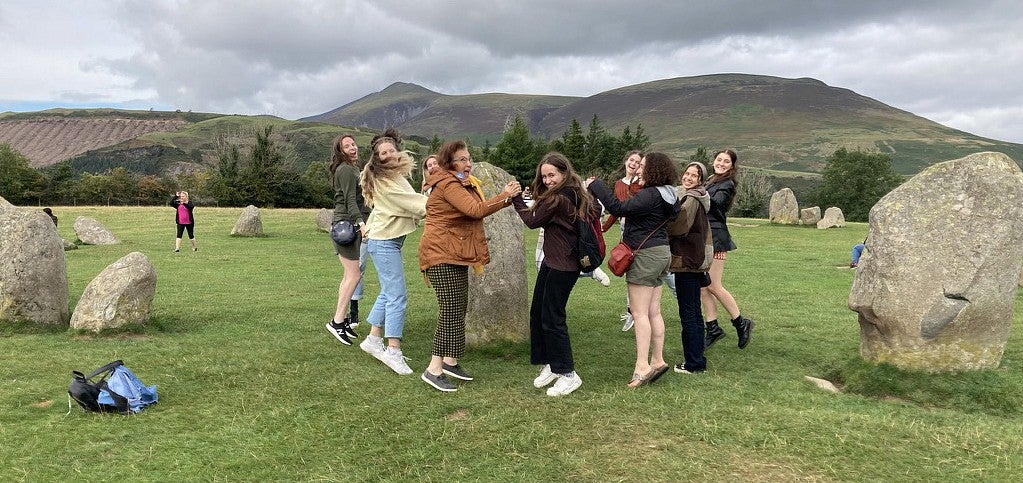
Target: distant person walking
{"x":721,"y":188}
{"x":344,"y":171}
{"x":184,"y":219}
{"x":453,"y":240}
{"x":397,"y":210}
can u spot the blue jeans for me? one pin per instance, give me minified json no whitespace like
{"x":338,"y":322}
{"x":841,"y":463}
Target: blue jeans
{"x":389,"y":308}
{"x":359,"y":289}
{"x":856,"y":252}
{"x":687,"y":289}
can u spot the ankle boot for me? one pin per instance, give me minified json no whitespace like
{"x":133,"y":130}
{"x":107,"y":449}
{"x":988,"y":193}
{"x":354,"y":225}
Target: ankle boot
{"x":714,"y":333}
{"x":353,"y":312}
{"x":744,"y":327}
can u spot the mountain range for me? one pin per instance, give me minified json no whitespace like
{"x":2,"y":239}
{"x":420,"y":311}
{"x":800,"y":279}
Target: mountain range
{"x":785,"y":125}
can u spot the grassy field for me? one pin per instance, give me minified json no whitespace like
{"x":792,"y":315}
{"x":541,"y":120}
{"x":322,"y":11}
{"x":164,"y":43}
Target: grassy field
{"x":252,"y":387}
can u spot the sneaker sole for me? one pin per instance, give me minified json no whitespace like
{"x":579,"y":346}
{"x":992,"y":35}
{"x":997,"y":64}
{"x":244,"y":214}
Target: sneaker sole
{"x":423,"y":377}
{"x":456,"y":376}
{"x":552,"y":393}
{"x":541,"y":383}
{"x":337,"y":336}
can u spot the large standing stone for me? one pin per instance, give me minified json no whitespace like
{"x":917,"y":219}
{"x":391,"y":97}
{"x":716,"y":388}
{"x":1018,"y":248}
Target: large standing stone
{"x":810,"y":216}
{"x":784,"y":208}
{"x":935,"y":287}
{"x":833,"y":218}
{"x":121,"y":294}
{"x":497,"y":299}
{"x":33,"y":271}
{"x":323,"y":219}
{"x":92,"y":232}
{"x":249,"y":223}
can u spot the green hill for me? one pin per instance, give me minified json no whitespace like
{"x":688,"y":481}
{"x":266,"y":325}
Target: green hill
{"x":785,"y":125}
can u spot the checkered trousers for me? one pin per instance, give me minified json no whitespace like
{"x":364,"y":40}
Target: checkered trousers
{"x":451,"y":282}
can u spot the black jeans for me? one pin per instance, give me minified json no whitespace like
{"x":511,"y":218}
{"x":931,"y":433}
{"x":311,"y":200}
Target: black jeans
{"x":687,"y":290}
{"x":548,"y":332}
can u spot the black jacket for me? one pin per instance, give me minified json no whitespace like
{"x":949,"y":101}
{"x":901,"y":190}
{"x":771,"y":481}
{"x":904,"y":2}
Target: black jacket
{"x":646,"y":211}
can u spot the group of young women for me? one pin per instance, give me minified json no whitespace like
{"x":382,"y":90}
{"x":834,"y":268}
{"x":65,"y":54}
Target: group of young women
{"x":683,"y":232}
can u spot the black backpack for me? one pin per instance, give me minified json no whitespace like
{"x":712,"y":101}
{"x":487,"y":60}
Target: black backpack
{"x":590,"y":248}
{"x":85,"y":391}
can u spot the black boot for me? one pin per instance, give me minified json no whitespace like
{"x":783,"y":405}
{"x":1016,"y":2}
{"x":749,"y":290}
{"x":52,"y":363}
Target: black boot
{"x":714,"y":333}
{"x":353,"y":313}
{"x":744,"y":327}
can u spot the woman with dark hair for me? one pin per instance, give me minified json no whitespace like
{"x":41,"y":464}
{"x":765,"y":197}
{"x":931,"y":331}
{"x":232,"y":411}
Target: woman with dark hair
{"x":453,"y":240}
{"x":648,"y":211}
{"x":344,"y":171}
{"x":397,"y":209}
{"x":558,"y":199}
{"x":721,"y":188}
{"x":691,"y":254}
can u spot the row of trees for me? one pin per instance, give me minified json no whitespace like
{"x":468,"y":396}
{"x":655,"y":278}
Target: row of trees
{"x":265,"y":176}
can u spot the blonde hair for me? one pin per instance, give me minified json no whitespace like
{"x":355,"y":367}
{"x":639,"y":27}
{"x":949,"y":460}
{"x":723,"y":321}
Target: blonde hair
{"x":401,"y":166}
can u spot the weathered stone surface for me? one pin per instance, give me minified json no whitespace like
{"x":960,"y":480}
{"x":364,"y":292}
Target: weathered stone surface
{"x":121,"y":294}
{"x":68,"y":245}
{"x":823,"y":384}
{"x":784,"y":209}
{"x":810,"y":216}
{"x":33,"y":271}
{"x":323,"y":218}
{"x":92,"y":232}
{"x":497,"y":298}
{"x":935,"y":287}
{"x":833,"y":218}
{"x":249,"y":223}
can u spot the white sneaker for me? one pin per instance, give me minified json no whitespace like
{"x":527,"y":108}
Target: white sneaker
{"x":601,"y":277}
{"x":546,"y":377}
{"x":627,"y":321}
{"x":565,"y":385}
{"x":396,"y":361}
{"x":375,"y":349}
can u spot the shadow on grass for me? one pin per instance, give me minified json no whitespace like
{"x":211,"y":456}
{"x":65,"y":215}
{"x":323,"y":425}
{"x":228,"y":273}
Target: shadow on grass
{"x":992,"y":391}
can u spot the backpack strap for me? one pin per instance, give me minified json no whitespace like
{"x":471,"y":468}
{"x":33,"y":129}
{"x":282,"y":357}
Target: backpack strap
{"x":101,"y":370}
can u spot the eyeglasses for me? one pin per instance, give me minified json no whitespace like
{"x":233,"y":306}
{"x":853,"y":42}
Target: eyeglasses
{"x":464,"y":159}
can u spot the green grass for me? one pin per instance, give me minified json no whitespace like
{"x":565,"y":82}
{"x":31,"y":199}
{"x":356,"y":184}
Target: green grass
{"x":253,"y":388}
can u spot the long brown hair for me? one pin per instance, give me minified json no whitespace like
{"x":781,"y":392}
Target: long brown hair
{"x":572,"y":182}
{"x":732,"y":174}
{"x":338,"y":156}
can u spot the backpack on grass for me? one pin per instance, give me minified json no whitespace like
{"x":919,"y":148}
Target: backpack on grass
{"x":117,"y":390}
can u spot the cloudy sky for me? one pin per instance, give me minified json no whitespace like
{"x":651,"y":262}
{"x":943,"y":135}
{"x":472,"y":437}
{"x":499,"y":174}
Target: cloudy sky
{"x":958,"y":63}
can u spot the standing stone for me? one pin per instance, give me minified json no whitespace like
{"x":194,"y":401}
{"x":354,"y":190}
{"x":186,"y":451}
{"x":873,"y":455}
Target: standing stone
{"x":92,"y":232}
{"x":833,"y":218}
{"x":33,"y":270}
{"x":810,"y":216}
{"x":121,"y":294}
{"x":323,"y":219}
{"x":784,"y":208}
{"x":935,"y":287}
{"x":497,"y":298}
{"x":249,"y":223}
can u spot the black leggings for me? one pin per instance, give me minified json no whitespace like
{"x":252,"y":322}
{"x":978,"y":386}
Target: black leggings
{"x":189,"y":227}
